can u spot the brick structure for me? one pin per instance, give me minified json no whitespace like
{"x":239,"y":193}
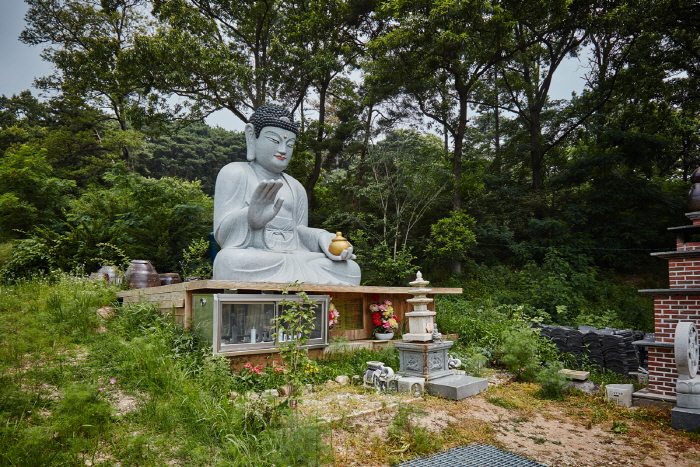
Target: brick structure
{"x":680,"y":302}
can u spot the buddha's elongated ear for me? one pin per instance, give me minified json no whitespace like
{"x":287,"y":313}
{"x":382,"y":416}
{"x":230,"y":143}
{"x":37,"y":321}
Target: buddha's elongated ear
{"x":249,"y":131}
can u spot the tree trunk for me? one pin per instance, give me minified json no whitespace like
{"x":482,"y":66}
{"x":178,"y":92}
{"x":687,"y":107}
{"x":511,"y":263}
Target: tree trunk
{"x":318,"y":153}
{"x":536,"y":150}
{"x":457,"y":156}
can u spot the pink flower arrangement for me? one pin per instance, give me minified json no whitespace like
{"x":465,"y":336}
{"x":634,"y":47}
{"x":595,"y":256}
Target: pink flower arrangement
{"x":333,"y":316}
{"x":383,"y":316}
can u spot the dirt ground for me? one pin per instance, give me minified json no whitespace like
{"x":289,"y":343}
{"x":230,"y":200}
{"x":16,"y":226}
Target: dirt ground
{"x":582,"y":430}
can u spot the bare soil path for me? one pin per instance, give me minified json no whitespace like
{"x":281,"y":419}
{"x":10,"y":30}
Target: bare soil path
{"x":582,"y":430}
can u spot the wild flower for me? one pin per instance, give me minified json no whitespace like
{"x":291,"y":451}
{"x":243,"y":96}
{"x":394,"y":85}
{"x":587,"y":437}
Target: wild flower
{"x":112,"y":380}
{"x":333,"y":316}
{"x":279,"y":369}
{"x":254,"y":369}
{"x":310,"y":368}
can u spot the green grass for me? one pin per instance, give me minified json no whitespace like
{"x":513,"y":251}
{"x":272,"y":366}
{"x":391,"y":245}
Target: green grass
{"x":66,"y":373}
{"x":137,"y":389}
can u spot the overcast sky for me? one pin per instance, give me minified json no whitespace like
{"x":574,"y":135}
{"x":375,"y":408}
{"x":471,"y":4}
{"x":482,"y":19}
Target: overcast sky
{"x":20,"y":64}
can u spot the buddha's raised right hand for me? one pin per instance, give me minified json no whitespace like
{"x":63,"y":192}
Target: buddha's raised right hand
{"x":263,"y":207}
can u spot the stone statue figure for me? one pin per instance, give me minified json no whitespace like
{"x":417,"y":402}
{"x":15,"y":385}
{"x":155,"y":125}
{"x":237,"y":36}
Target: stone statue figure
{"x":261,"y":213}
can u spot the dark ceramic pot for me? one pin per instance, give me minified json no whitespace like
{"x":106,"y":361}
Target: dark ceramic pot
{"x":169,"y":278}
{"x":141,"y":274}
{"x":114,"y":275}
{"x":695,"y":176}
{"x":694,"y":197}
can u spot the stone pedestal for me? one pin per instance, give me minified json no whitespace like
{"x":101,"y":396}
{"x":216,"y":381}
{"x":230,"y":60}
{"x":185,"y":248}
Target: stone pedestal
{"x":685,"y":419}
{"x":424,"y":360}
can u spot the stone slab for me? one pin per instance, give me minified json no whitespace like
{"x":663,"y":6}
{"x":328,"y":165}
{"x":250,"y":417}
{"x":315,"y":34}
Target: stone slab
{"x":685,"y":419}
{"x":576,"y":375}
{"x":418,"y":337}
{"x":456,"y":387}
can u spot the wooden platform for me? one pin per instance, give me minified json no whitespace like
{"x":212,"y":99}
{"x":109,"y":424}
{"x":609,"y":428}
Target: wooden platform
{"x":178,"y":299}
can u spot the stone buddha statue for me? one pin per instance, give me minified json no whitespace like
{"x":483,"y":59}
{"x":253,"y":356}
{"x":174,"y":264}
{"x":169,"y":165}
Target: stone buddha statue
{"x":261,"y":214}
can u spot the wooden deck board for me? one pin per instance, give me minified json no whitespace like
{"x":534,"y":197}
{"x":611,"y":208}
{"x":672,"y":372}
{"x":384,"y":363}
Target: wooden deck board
{"x":231,"y":285}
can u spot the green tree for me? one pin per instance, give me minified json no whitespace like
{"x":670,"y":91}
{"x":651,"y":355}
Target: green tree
{"x":239,"y":55}
{"x":91,"y":43}
{"x":193,"y":152}
{"x":407,"y":174}
{"x":437,"y":54}
{"x":29,"y":193}
{"x":147,"y":218}
{"x":545,"y":34}
{"x":133,"y":216}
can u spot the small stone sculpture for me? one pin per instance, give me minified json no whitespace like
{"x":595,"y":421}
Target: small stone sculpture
{"x":377,"y":376}
{"x":260,"y":214}
{"x":453,"y":363}
{"x":437,"y":337}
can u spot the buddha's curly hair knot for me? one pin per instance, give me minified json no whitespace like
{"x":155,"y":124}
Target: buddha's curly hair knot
{"x":273,"y":115}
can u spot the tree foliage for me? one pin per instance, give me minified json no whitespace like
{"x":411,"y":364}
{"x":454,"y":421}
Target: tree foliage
{"x":429,"y":134}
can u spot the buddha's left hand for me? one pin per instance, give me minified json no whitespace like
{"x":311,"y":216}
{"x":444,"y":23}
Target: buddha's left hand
{"x":345,"y":255}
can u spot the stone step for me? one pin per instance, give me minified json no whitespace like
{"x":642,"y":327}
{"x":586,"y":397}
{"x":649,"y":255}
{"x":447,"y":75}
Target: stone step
{"x":456,"y":387}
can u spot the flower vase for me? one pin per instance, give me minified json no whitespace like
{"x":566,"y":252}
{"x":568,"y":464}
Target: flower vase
{"x":384,"y":336}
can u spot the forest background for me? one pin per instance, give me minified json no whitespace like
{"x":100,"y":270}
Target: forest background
{"x":428,"y":137}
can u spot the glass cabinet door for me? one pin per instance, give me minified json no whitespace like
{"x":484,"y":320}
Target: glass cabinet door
{"x":245,"y":323}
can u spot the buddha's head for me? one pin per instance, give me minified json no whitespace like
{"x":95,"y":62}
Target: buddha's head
{"x":270,"y":136}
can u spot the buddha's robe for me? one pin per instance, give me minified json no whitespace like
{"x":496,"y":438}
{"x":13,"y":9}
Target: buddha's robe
{"x":285,"y":250}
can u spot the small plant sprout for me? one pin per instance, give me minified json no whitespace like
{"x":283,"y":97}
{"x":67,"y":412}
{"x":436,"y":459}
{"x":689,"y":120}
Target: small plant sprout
{"x":296,"y":319}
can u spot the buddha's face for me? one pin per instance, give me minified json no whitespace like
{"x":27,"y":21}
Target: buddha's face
{"x":273,"y":148}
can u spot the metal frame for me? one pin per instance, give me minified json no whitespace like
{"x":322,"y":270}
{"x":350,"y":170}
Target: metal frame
{"x":262,"y":347}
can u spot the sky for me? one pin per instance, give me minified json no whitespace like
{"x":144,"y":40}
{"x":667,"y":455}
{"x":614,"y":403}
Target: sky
{"x":21,"y":63}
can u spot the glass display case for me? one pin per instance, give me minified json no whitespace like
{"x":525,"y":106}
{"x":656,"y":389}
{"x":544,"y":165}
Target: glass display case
{"x":246,"y":323}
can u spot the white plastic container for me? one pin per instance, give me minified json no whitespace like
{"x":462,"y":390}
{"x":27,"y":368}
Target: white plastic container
{"x":620,"y":393}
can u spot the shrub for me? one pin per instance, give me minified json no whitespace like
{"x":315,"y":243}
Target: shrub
{"x":520,"y":353}
{"x":476,"y":361}
{"x":553,"y":385}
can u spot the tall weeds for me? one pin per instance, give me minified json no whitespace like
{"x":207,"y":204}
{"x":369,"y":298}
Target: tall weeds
{"x":66,"y":374}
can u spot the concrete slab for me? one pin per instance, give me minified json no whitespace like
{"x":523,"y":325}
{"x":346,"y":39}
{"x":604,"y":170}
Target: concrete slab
{"x":576,"y":375}
{"x":685,"y":419}
{"x":643,"y":398}
{"x":456,"y":387}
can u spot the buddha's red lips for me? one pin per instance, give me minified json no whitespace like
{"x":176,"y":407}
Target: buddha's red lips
{"x":282,"y":158}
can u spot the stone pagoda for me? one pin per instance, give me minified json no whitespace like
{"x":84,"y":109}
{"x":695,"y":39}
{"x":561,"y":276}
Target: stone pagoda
{"x":423,"y":353}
